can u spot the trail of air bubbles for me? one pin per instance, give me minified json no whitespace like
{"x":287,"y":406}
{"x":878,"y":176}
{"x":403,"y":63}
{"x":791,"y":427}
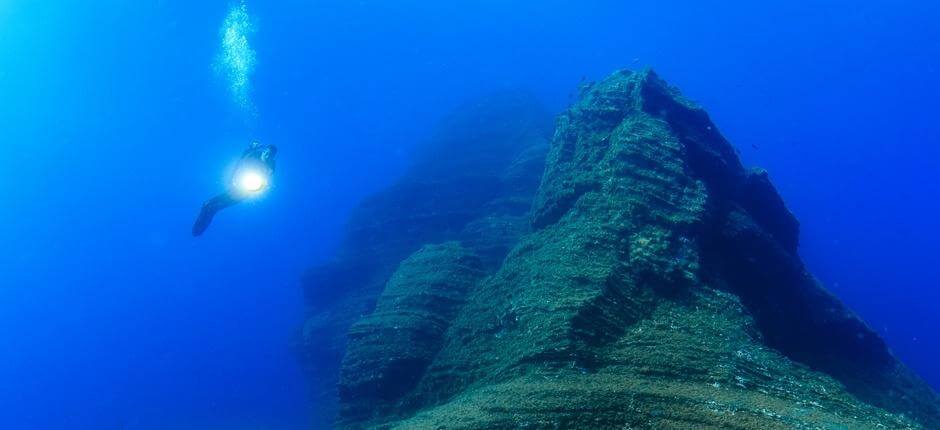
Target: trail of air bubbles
{"x":236,"y":59}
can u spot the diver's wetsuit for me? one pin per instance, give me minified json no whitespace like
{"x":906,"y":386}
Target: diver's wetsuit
{"x":257,"y":156}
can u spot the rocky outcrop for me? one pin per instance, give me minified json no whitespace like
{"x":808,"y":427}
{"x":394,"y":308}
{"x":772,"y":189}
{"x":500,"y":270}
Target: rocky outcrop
{"x":659,"y":288}
{"x":473,"y":181}
{"x":390,"y":348}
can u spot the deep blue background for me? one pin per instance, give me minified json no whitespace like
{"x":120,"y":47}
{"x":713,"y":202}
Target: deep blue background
{"x":113,"y":129}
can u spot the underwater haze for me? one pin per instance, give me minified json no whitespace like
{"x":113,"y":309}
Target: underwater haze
{"x":119,"y":119}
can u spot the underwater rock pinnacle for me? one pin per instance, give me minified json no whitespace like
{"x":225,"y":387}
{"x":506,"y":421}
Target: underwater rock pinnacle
{"x":659,"y":287}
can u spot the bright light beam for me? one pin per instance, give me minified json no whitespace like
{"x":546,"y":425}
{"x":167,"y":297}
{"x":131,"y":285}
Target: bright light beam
{"x":251,"y":181}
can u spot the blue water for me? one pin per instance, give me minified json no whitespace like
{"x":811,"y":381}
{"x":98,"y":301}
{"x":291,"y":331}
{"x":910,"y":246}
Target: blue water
{"x":114,"y":127}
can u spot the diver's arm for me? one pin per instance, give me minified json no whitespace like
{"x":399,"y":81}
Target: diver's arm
{"x":268,"y":156}
{"x":251,"y":151}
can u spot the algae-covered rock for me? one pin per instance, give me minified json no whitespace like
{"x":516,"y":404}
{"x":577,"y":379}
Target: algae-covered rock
{"x":659,"y":288}
{"x":390,"y":349}
{"x":473,"y":181}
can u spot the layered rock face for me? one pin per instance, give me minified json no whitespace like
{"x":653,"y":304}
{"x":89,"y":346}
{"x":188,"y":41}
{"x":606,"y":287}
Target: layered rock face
{"x":473,"y":181}
{"x":659,"y":288}
{"x":390,"y":348}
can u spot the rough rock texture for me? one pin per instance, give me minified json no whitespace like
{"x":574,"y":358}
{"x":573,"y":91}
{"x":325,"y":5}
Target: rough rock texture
{"x":389,"y":349}
{"x":473,"y":181}
{"x":659,"y":288}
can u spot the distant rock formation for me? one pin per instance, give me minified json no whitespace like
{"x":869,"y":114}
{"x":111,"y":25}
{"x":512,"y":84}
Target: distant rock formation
{"x":659,"y":287}
{"x":472,"y":182}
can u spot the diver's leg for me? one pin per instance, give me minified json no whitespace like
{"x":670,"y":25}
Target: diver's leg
{"x":209,"y":209}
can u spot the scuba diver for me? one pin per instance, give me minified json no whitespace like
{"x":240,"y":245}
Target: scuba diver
{"x":251,"y":177}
